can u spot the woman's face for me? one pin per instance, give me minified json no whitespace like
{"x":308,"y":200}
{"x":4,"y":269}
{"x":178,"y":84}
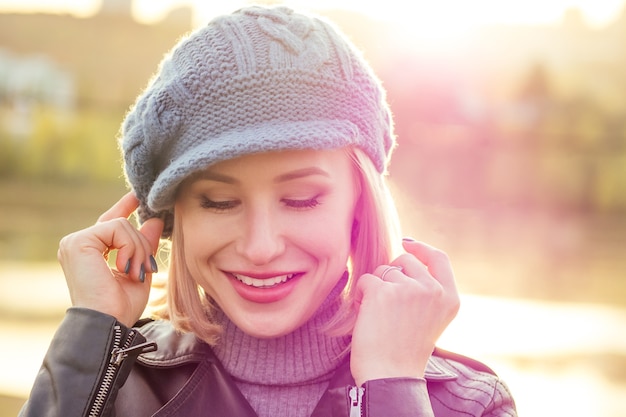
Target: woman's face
{"x":267,"y":235}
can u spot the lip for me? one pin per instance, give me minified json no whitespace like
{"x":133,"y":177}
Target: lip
{"x":268,"y":294}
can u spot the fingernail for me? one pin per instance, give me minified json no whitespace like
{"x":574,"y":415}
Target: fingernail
{"x":142,"y":273}
{"x":153,"y":264}
{"x":408,"y":239}
{"x":127,"y":269}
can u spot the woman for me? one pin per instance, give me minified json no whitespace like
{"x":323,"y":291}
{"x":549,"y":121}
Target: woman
{"x":259,"y":149}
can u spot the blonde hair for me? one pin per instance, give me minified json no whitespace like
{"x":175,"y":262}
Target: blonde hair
{"x":375,"y":240}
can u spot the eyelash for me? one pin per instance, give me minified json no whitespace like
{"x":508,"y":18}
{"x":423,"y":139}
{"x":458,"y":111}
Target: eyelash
{"x":302,"y":204}
{"x":218,"y":206}
{"x":221,"y":206}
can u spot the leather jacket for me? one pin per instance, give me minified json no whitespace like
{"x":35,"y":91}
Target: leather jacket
{"x":97,"y":367}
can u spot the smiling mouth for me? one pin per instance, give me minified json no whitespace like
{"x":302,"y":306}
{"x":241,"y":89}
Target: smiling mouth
{"x":265,"y":282}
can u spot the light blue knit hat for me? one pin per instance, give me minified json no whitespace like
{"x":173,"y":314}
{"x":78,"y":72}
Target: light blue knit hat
{"x":258,"y":80}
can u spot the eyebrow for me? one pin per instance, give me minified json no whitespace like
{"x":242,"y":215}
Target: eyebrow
{"x":214,"y":176}
{"x":300,"y":173}
{"x":288,"y":176}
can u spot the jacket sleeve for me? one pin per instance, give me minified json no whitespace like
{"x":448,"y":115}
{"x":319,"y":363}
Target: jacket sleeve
{"x":89,"y":358}
{"x":502,"y":403}
{"x":398,"y":397}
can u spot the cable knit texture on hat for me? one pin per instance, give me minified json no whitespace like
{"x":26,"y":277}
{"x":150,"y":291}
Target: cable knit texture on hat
{"x":258,"y":80}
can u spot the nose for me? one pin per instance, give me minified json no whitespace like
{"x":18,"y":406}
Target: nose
{"x":261,"y":238}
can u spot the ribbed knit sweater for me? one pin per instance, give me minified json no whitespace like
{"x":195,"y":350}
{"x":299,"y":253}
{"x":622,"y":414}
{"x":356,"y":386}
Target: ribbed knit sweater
{"x":284,"y":376}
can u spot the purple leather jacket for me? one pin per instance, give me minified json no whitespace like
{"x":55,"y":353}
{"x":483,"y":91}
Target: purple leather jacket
{"x":97,"y":367}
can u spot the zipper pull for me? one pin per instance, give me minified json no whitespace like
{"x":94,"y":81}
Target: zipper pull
{"x":119,"y":354}
{"x":356,"y":398}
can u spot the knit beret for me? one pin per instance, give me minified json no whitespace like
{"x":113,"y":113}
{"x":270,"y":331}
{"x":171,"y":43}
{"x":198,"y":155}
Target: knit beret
{"x":260,"y":79}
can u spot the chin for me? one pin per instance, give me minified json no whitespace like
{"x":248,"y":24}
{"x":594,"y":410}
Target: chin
{"x":265,"y":331}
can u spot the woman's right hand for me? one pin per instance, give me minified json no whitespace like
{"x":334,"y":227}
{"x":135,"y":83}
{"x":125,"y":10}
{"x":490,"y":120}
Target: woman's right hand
{"x":123,"y":291}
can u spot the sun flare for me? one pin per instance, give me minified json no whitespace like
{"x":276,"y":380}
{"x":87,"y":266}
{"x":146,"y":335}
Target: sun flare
{"x":438,"y":20}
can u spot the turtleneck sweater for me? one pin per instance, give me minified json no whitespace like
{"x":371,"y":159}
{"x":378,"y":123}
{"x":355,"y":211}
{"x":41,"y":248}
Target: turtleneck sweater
{"x":284,"y":376}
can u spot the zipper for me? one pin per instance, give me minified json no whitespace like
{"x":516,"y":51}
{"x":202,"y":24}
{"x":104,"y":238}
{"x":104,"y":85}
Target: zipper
{"x":107,"y":379}
{"x":356,"y":401}
{"x":118,"y":354}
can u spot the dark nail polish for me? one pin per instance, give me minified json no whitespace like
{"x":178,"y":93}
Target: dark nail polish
{"x":127,"y":269}
{"x":142,"y":273}
{"x":153,"y":264}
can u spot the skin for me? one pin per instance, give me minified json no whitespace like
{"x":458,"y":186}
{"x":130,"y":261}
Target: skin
{"x":398,"y":320}
{"x":269,"y":215}
{"x":91,"y":282}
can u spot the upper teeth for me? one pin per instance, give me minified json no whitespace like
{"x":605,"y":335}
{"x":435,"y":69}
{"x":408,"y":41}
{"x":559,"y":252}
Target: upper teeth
{"x":260,"y":283}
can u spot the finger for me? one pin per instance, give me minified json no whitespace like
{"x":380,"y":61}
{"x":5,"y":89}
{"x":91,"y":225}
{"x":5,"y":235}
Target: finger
{"x":150,"y":233}
{"x":435,"y":260}
{"x":124,"y":207}
{"x":390,"y":273}
{"x":412,"y":267}
{"x":152,"y":230}
{"x":365,"y":283}
{"x":133,"y":250}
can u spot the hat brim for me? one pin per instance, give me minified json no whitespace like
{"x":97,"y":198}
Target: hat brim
{"x":268,"y":137}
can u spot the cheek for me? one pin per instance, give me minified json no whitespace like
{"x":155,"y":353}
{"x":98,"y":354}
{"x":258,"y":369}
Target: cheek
{"x":327,"y":234}
{"x":200,"y":236}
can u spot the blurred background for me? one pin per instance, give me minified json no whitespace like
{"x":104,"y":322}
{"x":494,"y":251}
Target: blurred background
{"x":511,"y":125}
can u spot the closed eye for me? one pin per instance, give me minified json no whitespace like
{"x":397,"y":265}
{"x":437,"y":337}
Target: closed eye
{"x":218,"y":205}
{"x":301,"y":204}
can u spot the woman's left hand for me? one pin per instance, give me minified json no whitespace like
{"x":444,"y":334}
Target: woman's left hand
{"x":401,"y":316}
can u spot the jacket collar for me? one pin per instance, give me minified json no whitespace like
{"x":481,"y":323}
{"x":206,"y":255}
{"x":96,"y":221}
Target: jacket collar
{"x":438,"y":369}
{"x":176,"y":348}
